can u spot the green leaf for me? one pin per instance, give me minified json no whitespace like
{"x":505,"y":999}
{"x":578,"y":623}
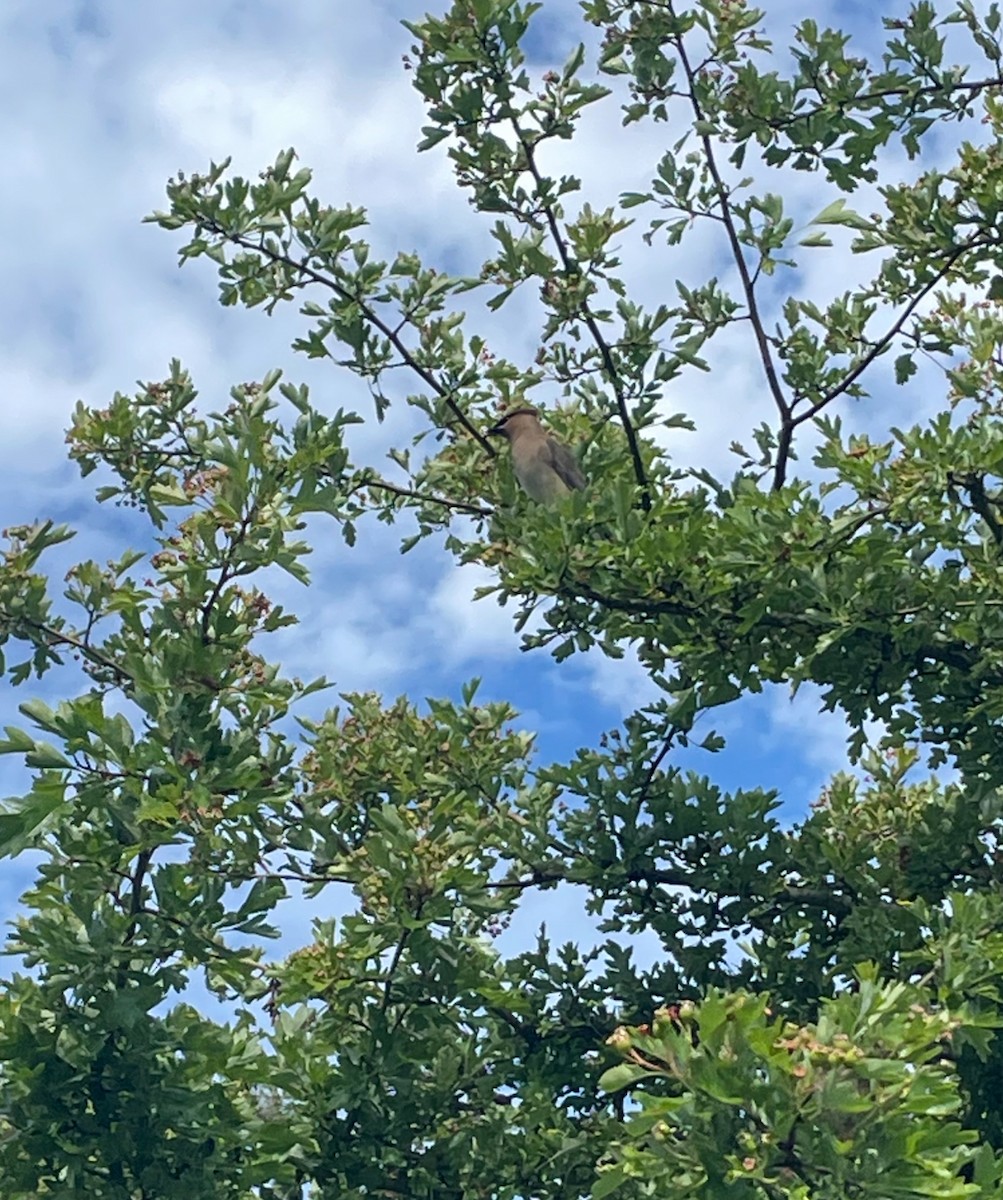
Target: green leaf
{"x":837,"y":213}
{"x":43,"y":716}
{"x":169,"y":494}
{"x":905,"y":368}
{"x":608,"y":1181}
{"x":623,"y":1075}
{"x":573,"y":64}
{"x":17,"y":741}
{"x":46,"y":756}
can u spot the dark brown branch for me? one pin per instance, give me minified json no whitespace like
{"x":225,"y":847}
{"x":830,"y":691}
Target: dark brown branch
{"x":538,"y":877}
{"x":394,"y":964}
{"x":975,"y":486}
{"x":137,"y":880}
{"x":226,"y":572}
{"x":827,"y":543}
{"x":529,"y":1033}
{"x":57,"y":637}
{"x":794,"y":894}
{"x":882,"y":344}
{"x":748,"y":286}
{"x":656,"y":762}
{"x":850,"y":103}
{"x":958,"y":655}
{"x":456,"y":505}
{"x":590,"y":322}
{"x":648,"y":607}
{"x":371,"y":316}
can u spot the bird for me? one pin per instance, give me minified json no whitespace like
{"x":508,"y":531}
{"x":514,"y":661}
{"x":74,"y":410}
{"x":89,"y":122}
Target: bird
{"x":546,"y":469}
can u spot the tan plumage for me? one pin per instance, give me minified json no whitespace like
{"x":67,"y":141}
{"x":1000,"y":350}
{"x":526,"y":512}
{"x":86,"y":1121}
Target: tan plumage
{"x":546,"y":469}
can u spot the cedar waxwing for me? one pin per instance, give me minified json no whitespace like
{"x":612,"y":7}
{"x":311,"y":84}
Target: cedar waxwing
{"x":546,"y":469}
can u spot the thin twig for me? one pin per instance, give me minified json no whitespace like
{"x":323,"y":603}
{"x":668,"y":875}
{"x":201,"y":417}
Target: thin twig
{"x":57,"y":637}
{"x":862,"y":100}
{"x":590,"y":322}
{"x":975,"y":486}
{"x":813,"y":897}
{"x":394,"y":964}
{"x":888,"y":336}
{"x":457,"y":505}
{"x":226,"y":574}
{"x":656,"y":762}
{"x":371,"y":316}
{"x":748,"y":286}
{"x":137,"y":880}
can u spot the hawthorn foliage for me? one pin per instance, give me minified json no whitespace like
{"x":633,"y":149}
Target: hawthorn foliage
{"x":822,"y":1020}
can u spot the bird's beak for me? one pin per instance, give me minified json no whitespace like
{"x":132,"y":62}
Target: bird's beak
{"x":496,"y":430}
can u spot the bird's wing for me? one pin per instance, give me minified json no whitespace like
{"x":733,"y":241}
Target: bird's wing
{"x":565,"y":464}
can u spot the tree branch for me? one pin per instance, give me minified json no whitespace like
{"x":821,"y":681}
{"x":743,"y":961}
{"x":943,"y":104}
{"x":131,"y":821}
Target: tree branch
{"x":748,"y":285}
{"x":812,"y":897}
{"x":882,"y":344}
{"x":975,"y":486}
{"x":456,"y":505}
{"x":57,"y":637}
{"x":392,"y":336}
{"x":851,"y":103}
{"x":226,"y":574}
{"x":590,"y":322}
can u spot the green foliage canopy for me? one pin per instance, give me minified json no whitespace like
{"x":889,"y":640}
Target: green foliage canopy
{"x":822,"y":1020}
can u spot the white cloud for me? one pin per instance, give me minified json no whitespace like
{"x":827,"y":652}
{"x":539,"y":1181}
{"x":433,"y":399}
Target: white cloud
{"x":621,"y":684}
{"x":469,"y":629}
{"x":820,"y":736}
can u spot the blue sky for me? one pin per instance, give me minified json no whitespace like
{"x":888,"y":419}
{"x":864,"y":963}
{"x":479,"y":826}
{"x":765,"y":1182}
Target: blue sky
{"x":102,"y":101}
